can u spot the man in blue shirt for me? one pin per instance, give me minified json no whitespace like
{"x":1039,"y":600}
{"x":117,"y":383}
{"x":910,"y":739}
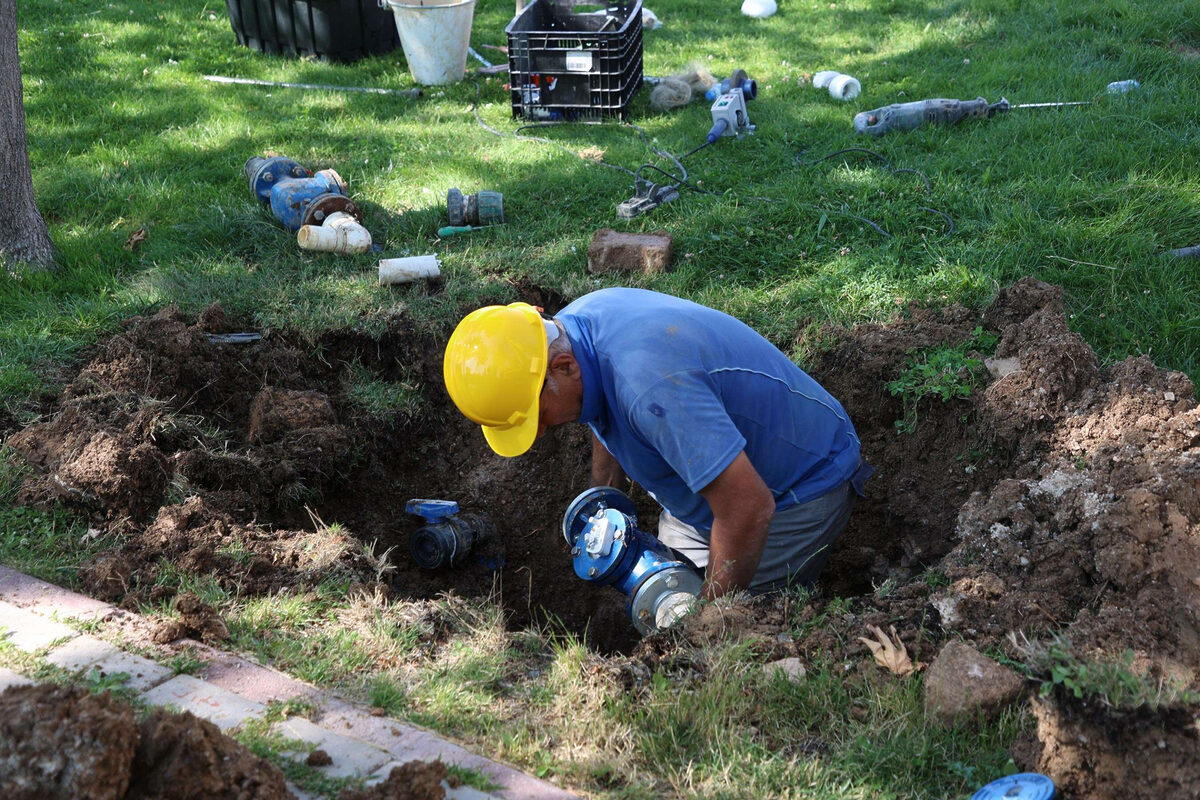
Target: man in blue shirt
{"x":756,"y":466}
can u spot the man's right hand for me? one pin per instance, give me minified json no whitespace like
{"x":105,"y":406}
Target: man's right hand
{"x":605,"y":469}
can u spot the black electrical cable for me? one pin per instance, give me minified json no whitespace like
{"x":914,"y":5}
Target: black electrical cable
{"x":682,"y":180}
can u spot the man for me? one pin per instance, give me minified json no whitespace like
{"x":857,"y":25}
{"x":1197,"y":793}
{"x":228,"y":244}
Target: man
{"x":756,"y":466}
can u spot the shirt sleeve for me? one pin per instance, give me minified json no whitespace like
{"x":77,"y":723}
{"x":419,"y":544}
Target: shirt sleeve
{"x":683,"y":418}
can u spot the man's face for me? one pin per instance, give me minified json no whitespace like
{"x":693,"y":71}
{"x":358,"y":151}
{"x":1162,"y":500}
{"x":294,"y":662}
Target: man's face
{"x":561,"y":399}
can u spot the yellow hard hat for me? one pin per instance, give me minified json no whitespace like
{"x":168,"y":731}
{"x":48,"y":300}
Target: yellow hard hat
{"x":494,"y":366}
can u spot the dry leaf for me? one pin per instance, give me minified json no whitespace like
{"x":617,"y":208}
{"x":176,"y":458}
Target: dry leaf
{"x":592,"y":153}
{"x":135,"y":238}
{"x":893,"y":655}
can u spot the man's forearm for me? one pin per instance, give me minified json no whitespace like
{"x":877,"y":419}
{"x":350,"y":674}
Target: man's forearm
{"x":605,"y":469}
{"x":734,"y":551}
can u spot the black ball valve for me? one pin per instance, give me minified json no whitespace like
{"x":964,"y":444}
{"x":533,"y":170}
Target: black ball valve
{"x":447,"y":537}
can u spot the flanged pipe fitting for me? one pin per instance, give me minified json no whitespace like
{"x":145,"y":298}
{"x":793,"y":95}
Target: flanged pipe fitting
{"x":607,"y":548}
{"x":295,"y":195}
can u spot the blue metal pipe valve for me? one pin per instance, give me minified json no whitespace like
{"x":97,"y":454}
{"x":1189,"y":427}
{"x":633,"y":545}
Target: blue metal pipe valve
{"x":608,"y":548}
{"x":448,"y":537}
{"x":295,"y":195}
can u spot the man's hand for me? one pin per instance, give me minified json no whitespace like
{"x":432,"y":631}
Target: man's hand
{"x":605,"y":469}
{"x":742,"y":507}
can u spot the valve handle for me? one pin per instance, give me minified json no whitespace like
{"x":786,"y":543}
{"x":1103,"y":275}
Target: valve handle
{"x":431,"y":510}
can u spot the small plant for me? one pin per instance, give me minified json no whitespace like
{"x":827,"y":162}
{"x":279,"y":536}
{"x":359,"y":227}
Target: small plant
{"x":185,"y":662}
{"x":1113,"y":684}
{"x":947,"y":373}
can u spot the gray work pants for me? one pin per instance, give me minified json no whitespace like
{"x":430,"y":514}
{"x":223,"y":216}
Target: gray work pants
{"x":798,"y":540}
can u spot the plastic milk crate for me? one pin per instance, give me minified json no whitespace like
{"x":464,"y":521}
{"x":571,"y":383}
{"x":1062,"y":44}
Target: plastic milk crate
{"x":571,"y":65}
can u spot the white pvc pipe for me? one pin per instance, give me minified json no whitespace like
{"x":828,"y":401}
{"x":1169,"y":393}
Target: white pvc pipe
{"x":843,"y":87}
{"x":340,"y":233}
{"x":405,"y":270}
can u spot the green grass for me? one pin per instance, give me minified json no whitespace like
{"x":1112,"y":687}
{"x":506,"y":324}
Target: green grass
{"x":125,"y":134}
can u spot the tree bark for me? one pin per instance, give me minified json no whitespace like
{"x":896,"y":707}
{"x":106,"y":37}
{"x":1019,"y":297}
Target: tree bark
{"x":23,"y":236}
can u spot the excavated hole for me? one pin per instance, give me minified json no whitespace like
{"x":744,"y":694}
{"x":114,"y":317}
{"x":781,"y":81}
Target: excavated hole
{"x":1058,"y":497}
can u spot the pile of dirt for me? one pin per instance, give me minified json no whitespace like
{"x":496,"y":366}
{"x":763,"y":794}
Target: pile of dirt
{"x":58,"y":741}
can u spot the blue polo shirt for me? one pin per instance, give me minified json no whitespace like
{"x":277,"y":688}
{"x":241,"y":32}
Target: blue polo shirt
{"x":676,"y":391}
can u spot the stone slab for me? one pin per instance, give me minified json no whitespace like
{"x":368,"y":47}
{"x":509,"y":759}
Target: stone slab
{"x":86,"y":651}
{"x":351,"y":757}
{"x":224,"y":709}
{"x":252,"y":681}
{"x":46,"y":598}
{"x":9,"y":678}
{"x":407,"y":743}
{"x":30,"y":631}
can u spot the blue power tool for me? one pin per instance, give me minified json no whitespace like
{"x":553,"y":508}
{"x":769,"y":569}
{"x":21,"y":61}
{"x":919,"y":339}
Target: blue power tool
{"x":608,"y":548}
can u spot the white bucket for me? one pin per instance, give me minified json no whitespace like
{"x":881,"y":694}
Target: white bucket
{"x":435,"y":35}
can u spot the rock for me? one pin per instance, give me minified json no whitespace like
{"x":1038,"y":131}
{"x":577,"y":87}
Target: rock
{"x":791,"y":668}
{"x":962,"y":682}
{"x":612,"y":251}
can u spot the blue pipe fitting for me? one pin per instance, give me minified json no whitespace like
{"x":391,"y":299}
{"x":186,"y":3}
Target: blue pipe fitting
{"x":447,"y":537}
{"x":295,"y":195}
{"x":607,"y":548}
{"x":749,"y":89}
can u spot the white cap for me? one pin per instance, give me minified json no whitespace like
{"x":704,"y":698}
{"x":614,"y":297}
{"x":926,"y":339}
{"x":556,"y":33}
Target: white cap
{"x":551,"y":331}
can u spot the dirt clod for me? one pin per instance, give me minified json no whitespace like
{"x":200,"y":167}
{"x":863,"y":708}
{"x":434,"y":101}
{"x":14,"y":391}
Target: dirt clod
{"x":962,"y":682}
{"x":416,"y":780}
{"x":58,"y":741}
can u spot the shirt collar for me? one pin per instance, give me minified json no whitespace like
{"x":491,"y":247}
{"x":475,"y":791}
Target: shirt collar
{"x":589,"y":369}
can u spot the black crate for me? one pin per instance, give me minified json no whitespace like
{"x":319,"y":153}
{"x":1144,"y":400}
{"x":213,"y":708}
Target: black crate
{"x":339,"y":30}
{"x":568,"y":65}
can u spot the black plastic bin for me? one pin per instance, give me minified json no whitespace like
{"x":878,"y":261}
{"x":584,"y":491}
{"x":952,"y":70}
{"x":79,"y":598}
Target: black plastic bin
{"x":568,"y":65}
{"x":339,"y":30}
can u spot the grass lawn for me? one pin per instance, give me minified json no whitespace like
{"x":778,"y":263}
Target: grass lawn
{"x":126,"y":136}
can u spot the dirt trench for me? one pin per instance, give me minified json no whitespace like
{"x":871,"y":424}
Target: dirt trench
{"x":1059,"y":497}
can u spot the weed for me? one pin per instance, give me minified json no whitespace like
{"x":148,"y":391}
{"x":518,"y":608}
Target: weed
{"x":1113,"y":684}
{"x":945,"y":373}
{"x":184,"y":662}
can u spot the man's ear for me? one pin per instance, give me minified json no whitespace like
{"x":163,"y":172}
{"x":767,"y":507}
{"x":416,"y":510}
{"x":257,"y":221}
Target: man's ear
{"x":564,"y":365}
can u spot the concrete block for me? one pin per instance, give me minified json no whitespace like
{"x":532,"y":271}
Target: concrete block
{"x":84,"y":652}
{"x":252,"y":681}
{"x":409,"y":743}
{"x":350,"y":756}
{"x":46,"y":598}
{"x":9,"y":678}
{"x":224,"y":709}
{"x":30,"y":631}
{"x":613,"y":251}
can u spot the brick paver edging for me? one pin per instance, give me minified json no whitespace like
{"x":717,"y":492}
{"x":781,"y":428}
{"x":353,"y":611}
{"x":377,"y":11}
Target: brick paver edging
{"x":230,"y":690}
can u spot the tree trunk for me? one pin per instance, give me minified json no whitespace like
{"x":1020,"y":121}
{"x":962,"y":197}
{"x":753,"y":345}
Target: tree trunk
{"x":23,"y":236}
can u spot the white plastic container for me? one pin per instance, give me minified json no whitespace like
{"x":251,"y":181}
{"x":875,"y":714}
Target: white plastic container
{"x":406,"y":270}
{"x":435,"y":35}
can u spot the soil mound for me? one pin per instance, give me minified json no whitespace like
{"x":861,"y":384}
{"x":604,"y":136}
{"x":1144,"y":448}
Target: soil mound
{"x":58,"y":741}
